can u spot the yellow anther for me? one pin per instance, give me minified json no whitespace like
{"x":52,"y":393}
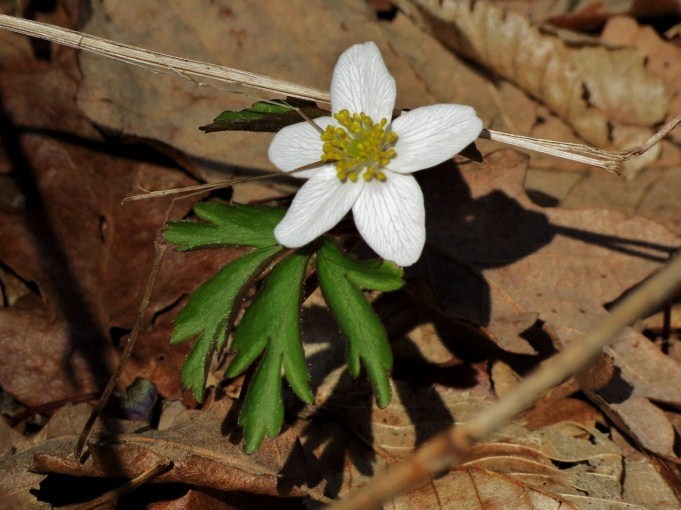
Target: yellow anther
{"x":358,"y":146}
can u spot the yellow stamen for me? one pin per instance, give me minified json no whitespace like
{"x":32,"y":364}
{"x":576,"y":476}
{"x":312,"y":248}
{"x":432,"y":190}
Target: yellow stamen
{"x":359,"y":146}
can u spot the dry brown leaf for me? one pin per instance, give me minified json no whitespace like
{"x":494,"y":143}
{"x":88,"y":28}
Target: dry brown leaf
{"x":662,"y":57}
{"x":644,"y":374}
{"x":498,"y":260}
{"x":589,"y":15}
{"x":474,"y":488}
{"x":563,"y":464}
{"x":606,"y":95}
{"x":654,"y":195}
{"x":643,"y":484}
{"x":555,"y":410}
{"x":11,"y":440}
{"x":201,"y":456}
{"x":193,"y":499}
{"x":18,"y":482}
{"x":244,"y":35}
{"x":88,"y":254}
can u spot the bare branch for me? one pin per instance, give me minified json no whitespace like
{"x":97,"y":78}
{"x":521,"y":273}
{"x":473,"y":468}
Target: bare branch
{"x":451,"y":446}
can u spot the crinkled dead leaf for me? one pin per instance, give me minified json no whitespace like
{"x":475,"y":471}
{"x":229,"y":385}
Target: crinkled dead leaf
{"x":606,"y":95}
{"x":202,"y":457}
{"x":643,"y":375}
{"x":560,"y":463}
{"x":644,"y":482}
{"x":589,"y":15}
{"x":523,"y":473}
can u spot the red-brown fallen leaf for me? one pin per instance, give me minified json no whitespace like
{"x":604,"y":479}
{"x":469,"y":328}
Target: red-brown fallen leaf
{"x":40,"y":361}
{"x":201,"y":456}
{"x":496,"y":259}
{"x":564,"y":409}
{"x":88,"y":254}
{"x":191,"y":500}
{"x":212,"y":500}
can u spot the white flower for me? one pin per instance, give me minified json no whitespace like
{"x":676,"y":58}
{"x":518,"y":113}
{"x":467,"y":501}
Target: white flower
{"x":370,"y":159}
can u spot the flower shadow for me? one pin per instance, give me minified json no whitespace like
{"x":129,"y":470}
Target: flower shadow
{"x":467,"y":235}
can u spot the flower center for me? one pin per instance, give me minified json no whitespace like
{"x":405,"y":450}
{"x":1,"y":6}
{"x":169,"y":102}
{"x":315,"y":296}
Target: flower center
{"x":359,"y":146}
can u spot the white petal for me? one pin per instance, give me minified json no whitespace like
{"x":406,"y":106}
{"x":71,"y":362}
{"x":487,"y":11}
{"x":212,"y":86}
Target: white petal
{"x":429,"y":135}
{"x":317,"y":207}
{"x":298,"y":145}
{"x":361,"y":83}
{"x":391,"y":218}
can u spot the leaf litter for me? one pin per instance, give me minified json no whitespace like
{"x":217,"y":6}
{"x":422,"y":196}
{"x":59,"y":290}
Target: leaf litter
{"x":533,"y":269}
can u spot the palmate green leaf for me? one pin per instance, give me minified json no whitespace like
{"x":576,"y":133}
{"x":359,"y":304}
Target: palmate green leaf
{"x":342,"y":279}
{"x":265,"y":116}
{"x":270,"y":328}
{"x":210,"y":312}
{"x":225,"y":225}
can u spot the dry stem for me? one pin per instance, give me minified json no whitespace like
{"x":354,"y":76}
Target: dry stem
{"x":159,"y":62}
{"x":451,"y":446}
{"x":188,"y":69}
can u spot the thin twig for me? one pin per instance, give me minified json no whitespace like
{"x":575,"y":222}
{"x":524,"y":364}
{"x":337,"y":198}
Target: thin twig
{"x":160,"y":248}
{"x":116,"y":494}
{"x":610,"y":161}
{"x":200,"y":188}
{"x":159,"y":62}
{"x":186,"y":68}
{"x":451,"y":446}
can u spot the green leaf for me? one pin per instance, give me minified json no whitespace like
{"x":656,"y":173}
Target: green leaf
{"x":271,"y":328}
{"x":270,"y":116}
{"x":210,"y":311}
{"x":341,"y":279}
{"x":225,"y":225}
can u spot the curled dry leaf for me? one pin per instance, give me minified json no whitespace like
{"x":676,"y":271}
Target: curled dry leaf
{"x":643,"y":375}
{"x":606,"y":95}
{"x":590,"y":15}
